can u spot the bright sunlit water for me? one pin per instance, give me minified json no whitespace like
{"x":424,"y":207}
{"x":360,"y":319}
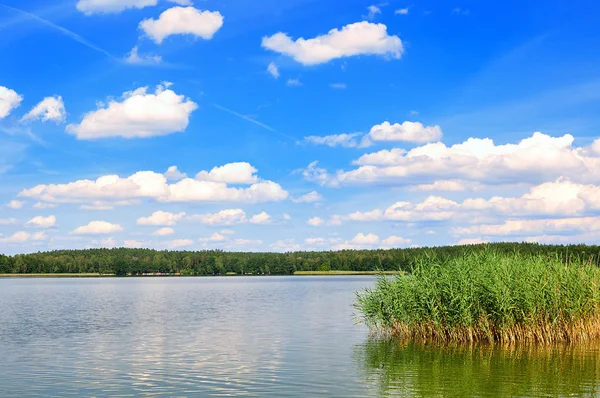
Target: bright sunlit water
{"x":245,"y":336}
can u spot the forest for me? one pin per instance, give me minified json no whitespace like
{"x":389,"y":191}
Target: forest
{"x":124,"y":262}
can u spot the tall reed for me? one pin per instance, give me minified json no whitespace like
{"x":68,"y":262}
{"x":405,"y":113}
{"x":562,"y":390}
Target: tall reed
{"x":487,"y":296}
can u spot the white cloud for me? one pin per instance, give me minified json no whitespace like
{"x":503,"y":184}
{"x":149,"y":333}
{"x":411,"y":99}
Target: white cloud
{"x":178,"y":243}
{"x":216,"y":237}
{"x":373,"y":11}
{"x":338,"y":86}
{"x":407,"y":131}
{"x":97,"y":228}
{"x":17,"y":237}
{"x":231,"y":173}
{"x":315,"y":241}
{"x":471,"y":241}
{"x":262,"y":218}
{"x":286,"y":245}
{"x":15,"y":204}
{"x":434,"y":208}
{"x":310,"y":197}
{"x":49,"y":109}
{"x":41,"y":205}
{"x":9,"y":100}
{"x":395,"y":241}
{"x":133,"y":57}
{"x":89,"y":7}
{"x":293,"y":83}
{"x":139,"y":115}
{"x":183,"y":21}
{"x":316,"y":222}
{"x":182,"y":2}
{"x":9,"y":221}
{"x":402,"y":11}
{"x":39,"y":236}
{"x":131,"y":244}
{"x":227,"y":232}
{"x":41,"y":222}
{"x":173,"y":174}
{"x":533,"y":160}
{"x":273,"y":70}
{"x":362,"y":239}
{"x":148,"y":184}
{"x":560,"y":197}
{"x":164,"y":232}
{"x":104,"y":205}
{"x":448,"y":185}
{"x":161,"y":219}
{"x":230,"y":217}
{"x":223,"y":217}
{"x":247,"y":242}
{"x":334,"y":140}
{"x":527,"y":227}
{"x":361,"y":38}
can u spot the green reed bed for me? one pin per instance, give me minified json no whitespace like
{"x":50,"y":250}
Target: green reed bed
{"x":487,"y":296}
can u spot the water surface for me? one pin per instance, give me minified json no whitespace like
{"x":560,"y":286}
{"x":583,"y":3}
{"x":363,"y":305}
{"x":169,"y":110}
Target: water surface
{"x":244,"y":336}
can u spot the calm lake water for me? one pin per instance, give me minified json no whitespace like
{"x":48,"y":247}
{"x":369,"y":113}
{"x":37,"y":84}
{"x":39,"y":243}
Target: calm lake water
{"x":245,"y":336}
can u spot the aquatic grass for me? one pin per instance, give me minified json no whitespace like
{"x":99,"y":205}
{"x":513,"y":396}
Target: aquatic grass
{"x":487,"y":296}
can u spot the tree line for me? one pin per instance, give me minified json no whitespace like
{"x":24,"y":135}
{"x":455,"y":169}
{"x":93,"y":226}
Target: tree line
{"x":123,"y":261}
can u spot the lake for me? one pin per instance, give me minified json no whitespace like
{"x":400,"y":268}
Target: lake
{"x":246,"y":336}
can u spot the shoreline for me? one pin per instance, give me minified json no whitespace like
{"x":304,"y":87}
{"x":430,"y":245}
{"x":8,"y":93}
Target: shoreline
{"x":297,"y":273}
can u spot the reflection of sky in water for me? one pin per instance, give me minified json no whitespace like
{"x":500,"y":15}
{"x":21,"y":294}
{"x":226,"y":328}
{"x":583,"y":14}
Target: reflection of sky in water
{"x":252,"y":336}
{"x":272,"y":336}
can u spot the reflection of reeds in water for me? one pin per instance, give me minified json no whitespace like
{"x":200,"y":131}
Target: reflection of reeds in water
{"x":488,"y":296}
{"x":420,"y":370}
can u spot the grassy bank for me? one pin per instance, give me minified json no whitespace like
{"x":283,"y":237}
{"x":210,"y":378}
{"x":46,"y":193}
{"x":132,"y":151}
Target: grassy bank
{"x":487,"y":296}
{"x":317,"y":273}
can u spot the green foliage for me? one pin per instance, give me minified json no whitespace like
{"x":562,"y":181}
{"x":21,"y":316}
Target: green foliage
{"x":216,"y":262}
{"x":488,"y":295}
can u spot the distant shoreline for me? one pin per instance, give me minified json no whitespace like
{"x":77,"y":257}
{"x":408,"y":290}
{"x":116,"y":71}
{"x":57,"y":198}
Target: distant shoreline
{"x":297,"y":273}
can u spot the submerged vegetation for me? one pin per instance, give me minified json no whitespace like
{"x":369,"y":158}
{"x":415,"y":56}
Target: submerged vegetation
{"x":486,"y":295}
{"x":216,"y":262}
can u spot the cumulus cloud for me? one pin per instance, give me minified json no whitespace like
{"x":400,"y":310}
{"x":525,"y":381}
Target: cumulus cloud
{"x":231,"y":173}
{"x":526,"y":227}
{"x":471,"y":241}
{"x":183,"y":21}
{"x":161,"y":219}
{"x":315,"y":222}
{"x":448,"y":185}
{"x":164,"y":232}
{"x":273,"y":70}
{"x":373,"y":11}
{"x":230,"y":217}
{"x":41,"y":205}
{"x":17,"y":237}
{"x":362,"y":239}
{"x":135,"y":58}
{"x":139,"y":115}
{"x":49,"y":109}
{"x":361,"y":38}
{"x":310,"y":197}
{"x":9,"y":100}
{"x":15,"y":204}
{"x":41,"y":222}
{"x":151,"y":185}
{"x":216,"y":237}
{"x":334,"y":140}
{"x":179,"y":243}
{"x":407,"y":131}
{"x":395,"y":241}
{"x":89,"y":7}
{"x":533,"y":160}
{"x":173,"y":174}
{"x":106,"y":205}
{"x":97,"y":228}
{"x":434,"y":208}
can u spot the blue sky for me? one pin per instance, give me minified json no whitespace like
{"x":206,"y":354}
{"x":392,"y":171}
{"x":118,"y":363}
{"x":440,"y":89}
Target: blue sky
{"x":326,"y":124}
